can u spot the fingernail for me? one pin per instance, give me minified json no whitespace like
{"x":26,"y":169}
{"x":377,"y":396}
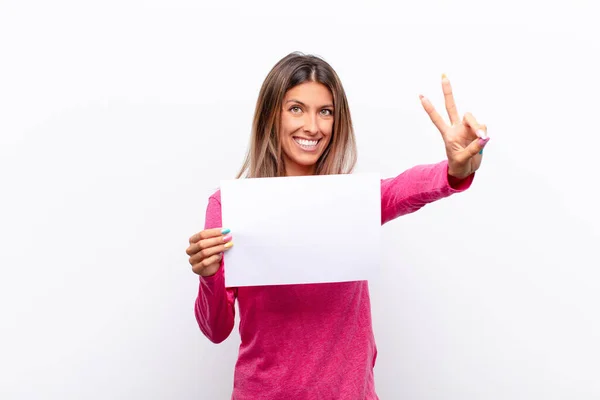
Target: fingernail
{"x":481,"y":151}
{"x":483,"y":142}
{"x":481,"y":133}
{"x":225,"y":231}
{"x":228,"y":245}
{"x":227,"y":238}
{"x":444,"y":76}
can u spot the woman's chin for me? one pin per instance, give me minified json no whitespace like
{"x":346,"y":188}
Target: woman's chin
{"x":306,"y":160}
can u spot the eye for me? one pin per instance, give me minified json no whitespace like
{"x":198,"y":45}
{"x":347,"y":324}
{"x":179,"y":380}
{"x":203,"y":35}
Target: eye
{"x":327,"y":112}
{"x":295,"y":109}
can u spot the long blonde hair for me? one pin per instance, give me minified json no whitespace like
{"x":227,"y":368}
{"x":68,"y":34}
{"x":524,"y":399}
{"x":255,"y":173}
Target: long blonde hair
{"x":264,"y":156}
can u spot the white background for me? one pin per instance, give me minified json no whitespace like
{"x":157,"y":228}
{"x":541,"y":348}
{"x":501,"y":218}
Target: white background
{"x":119,"y":118}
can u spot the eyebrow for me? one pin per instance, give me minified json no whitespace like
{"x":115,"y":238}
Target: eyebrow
{"x":301,"y":103}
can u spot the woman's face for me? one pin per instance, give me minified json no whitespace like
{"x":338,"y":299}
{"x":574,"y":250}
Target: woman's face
{"x":306,"y":126}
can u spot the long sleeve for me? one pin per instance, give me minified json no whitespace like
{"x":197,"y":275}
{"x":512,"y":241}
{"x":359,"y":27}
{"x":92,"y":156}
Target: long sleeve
{"x":214,"y":308}
{"x":416,"y":187}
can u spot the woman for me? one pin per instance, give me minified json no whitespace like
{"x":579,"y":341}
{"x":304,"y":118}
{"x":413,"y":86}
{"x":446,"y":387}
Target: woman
{"x":314,"y":341}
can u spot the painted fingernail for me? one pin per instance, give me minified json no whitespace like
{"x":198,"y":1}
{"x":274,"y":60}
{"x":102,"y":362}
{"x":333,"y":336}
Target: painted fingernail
{"x":225,"y":231}
{"x":481,"y":133}
{"x":481,"y":151}
{"x":483,"y":142}
{"x":228,"y":245}
{"x":444,"y":76}
{"x":227,"y":238}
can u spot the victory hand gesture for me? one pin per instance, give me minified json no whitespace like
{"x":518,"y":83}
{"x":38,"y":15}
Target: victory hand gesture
{"x":464,"y":139}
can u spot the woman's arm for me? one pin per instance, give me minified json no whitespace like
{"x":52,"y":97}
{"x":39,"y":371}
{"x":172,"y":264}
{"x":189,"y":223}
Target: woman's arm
{"x":416,"y":187}
{"x":214,"y":308}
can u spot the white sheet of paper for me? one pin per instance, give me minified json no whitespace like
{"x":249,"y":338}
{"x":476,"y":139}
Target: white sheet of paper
{"x":309,"y":229}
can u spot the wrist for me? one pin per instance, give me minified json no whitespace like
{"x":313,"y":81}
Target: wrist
{"x":457,"y":172}
{"x":458,"y":175}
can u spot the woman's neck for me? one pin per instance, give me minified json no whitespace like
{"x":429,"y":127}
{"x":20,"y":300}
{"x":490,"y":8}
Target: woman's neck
{"x":299,"y":170}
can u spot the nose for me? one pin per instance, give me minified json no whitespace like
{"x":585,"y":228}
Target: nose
{"x":310,"y":125}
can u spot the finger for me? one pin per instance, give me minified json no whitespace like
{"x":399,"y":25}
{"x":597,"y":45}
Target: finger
{"x":212,"y":262}
{"x":216,"y":241}
{"x":202,"y":244}
{"x":436,"y":118}
{"x":478,"y":129}
{"x":208,"y":233}
{"x":449,"y":100}
{"x":209,"y":252}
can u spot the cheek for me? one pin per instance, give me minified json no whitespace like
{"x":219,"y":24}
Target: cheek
{"x":326,"y":127}
{"x":289,"y":124}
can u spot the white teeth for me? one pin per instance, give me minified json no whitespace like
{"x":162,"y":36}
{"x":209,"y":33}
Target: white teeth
{"x":306,"y":142}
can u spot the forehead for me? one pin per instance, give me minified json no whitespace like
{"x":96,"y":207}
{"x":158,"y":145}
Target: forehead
{"x":309,"y":91}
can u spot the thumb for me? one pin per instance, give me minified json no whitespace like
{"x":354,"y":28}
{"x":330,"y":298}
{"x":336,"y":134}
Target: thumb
{"x":475,"y":147}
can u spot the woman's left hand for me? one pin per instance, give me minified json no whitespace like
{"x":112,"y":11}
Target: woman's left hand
{"x":464,"y":139}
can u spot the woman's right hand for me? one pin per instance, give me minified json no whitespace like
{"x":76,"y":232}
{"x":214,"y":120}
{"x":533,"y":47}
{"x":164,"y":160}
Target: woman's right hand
{"x":206,"y":250}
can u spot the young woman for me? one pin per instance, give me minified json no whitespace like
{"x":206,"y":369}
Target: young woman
{"x":314,"y":341}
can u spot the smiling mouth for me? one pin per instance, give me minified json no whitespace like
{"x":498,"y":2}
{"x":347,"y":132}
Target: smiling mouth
{"x":308,"y":145}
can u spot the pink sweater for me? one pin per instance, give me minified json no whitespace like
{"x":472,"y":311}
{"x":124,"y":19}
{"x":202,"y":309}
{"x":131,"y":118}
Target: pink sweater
{"x":311,"y":341}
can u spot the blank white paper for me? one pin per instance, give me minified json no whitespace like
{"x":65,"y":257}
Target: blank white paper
{"x":308,"y":229}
